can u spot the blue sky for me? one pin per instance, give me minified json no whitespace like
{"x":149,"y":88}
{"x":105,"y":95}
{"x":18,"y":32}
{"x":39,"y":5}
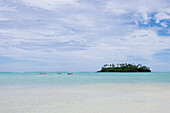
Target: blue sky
{"x":82,"y":35}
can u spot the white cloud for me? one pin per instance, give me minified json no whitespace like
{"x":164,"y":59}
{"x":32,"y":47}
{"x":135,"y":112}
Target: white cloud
{"x":116,"y":8}
{"x":139,"y":43}
{"x":3,"y":19}
{"x":162,"y":15}
{"x":49,"y":4}
{"x":4,"y":7}
{"x":139,"y":9}
{"x":163,"y":24}
{"x":82,"y":36}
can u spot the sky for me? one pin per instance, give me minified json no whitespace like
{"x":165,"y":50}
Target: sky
{"x":83,"y":35}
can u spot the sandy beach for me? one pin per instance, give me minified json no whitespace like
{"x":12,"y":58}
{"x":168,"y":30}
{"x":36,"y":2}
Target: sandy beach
{"x":88,"y":98}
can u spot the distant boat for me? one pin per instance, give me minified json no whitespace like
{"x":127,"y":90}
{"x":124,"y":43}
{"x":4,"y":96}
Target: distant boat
{"x":42,"y":73}
{"x":70,"y":73}
{"x":58,"y":73}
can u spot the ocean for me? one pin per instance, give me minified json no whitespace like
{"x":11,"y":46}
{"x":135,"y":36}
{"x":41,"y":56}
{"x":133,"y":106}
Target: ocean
{"x":28,"y":79}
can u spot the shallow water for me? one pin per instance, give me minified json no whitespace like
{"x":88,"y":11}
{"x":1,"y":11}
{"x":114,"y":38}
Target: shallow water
{"x":51,"y":79}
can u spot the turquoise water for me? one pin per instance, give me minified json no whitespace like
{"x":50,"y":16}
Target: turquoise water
{"x":34,"y":79}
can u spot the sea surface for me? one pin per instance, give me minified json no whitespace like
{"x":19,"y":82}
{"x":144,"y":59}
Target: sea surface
{"x":28,"y":79}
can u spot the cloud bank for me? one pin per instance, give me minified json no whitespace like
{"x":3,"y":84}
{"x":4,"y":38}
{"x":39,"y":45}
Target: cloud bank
{"x":82,"y":35}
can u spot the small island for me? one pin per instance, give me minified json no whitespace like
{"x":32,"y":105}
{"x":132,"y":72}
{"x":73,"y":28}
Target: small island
{"x":124,"y":68}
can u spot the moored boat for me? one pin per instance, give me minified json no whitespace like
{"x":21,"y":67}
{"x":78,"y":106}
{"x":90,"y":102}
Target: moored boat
{"x":70,"y":73}
{"x":42,"y":73}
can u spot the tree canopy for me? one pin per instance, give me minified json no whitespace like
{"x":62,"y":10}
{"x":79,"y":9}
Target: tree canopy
{"x":124,"y":68}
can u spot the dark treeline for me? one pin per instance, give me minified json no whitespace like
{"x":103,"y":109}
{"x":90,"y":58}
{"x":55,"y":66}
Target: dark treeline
{"x":124,"y":68}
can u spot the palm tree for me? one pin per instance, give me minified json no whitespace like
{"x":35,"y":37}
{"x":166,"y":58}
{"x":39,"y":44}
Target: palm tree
{"x":139,"y":65}
{"x":113,"y":65}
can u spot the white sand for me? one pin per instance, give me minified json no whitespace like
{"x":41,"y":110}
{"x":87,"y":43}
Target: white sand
{"x":92,"y":98}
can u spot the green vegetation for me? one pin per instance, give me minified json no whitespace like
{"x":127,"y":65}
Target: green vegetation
{"x":124,"y":68}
